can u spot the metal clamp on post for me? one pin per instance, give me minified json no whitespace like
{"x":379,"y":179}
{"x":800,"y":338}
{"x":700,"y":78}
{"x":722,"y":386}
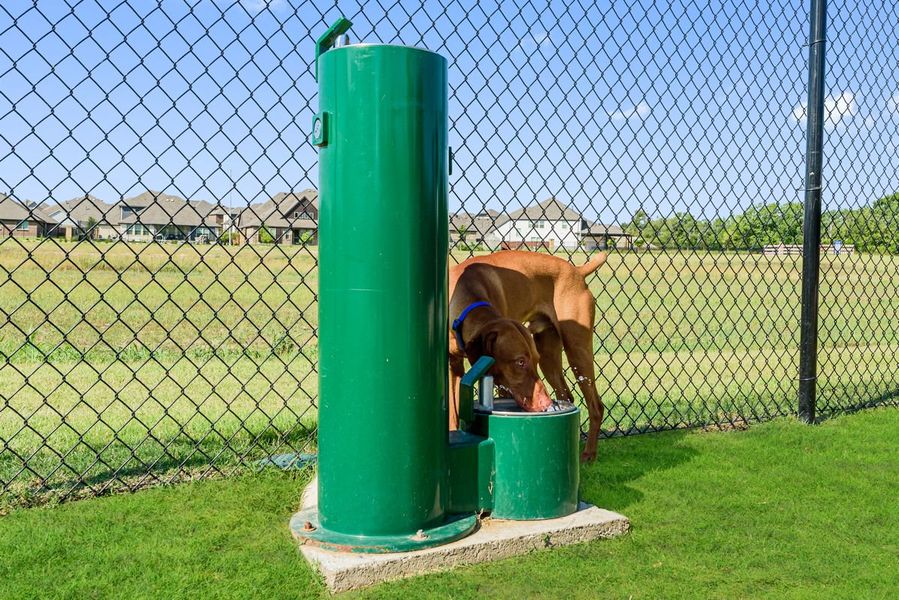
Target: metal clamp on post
{"x":466,"y":389}
{"x":333,"y":37}
{"x":328,"y":38}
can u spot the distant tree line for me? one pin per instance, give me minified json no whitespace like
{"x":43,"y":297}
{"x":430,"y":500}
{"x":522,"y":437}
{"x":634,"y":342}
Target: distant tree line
{"x":873,"y":228}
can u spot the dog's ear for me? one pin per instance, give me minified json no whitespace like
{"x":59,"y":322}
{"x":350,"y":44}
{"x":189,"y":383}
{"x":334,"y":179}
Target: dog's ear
{"x":529,"y":338}
{"x":482,"y":344}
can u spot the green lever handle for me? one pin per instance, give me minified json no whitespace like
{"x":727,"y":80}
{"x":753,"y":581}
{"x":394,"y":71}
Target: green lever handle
{"x":466,"y":388}
{"x":327,"y":39}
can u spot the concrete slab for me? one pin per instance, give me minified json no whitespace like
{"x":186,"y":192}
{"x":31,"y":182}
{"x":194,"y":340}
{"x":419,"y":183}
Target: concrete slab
{"x":495,"y":539}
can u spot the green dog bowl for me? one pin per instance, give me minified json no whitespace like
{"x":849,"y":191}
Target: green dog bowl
{"x":537,"y":470}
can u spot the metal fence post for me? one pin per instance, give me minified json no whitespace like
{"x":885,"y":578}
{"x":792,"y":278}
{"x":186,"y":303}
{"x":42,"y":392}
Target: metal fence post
{"x":811,"y":247}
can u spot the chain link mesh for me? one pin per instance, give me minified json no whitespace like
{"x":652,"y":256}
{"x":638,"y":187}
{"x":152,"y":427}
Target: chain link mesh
{"x":158,"y":258}
{"x":858,"y":357}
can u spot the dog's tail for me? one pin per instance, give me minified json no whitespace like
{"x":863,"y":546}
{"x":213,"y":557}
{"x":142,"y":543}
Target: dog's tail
{"x":592,"y":264}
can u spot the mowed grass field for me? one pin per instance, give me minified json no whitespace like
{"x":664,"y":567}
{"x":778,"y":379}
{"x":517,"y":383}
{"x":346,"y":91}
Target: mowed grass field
{"x":783,"y":510}
{"x":123,"y":358}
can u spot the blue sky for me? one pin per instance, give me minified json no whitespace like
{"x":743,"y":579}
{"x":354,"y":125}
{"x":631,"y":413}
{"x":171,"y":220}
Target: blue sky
{"x":611,"y":107}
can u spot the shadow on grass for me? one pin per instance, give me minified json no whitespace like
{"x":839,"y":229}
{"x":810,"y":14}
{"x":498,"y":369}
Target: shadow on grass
{"x":621,"y":461}
{"x":828,"y":409}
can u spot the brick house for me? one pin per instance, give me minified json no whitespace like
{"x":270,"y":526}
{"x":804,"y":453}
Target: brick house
{"x":142,"y":218}
{"x":468,"y":230}
{"x":164,"y":217}
{"x":23,"y":220}
{"x":84,"y":217}
{"x":287,"y":218}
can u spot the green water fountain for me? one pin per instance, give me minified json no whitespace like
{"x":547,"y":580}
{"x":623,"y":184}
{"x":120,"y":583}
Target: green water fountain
{"x":391,"y":476}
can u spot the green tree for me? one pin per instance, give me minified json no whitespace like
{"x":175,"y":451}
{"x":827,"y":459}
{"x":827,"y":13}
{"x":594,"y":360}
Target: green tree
{"x":90,"y":228}
{"x":873,"y":228}
{"x":265,"y":236}
{"x":883,"y":225}
{"x":637,"y":225}
{"x":463,"y":231}
{"x":762,"y":225}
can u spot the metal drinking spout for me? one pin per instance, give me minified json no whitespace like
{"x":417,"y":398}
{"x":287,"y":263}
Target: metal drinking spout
{"x":486,"y":392}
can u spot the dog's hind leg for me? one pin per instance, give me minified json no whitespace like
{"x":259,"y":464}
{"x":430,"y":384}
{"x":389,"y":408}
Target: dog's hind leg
{"x":577,"y":337}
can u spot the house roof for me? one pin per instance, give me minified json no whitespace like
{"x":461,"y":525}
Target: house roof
{"x":276,"y":212}
{"x":164,"y":209}
{"x":81,"y":209}
{"x":550,"y":209}
{"x":598,"y":228}
{"x":481,"y":221}
{"x":228,"y":211}
{"x":12,"y":210}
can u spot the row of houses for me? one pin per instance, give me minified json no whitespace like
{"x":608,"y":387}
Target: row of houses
{"x":154,"y":216}
{"x":287,"y":218}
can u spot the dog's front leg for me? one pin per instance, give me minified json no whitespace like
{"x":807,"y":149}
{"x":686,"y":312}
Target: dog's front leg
{"x":549,"y":346}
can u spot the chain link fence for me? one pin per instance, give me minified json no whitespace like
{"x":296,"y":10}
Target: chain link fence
{"x":858,"y":358}
{"x":158,"y":257}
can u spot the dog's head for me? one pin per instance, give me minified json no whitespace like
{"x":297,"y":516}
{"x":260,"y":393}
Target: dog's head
{"x":512,"y":347}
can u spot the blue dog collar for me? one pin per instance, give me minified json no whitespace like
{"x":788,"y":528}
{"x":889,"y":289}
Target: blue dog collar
{"x":457,"y":324}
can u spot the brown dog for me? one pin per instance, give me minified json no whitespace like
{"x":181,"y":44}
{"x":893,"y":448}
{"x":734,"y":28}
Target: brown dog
{"x":491,"y":296}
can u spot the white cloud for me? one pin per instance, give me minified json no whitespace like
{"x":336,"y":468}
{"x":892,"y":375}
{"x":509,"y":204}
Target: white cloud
{"x":256,"y":6}
{"x":836,"y":109}
{"x":641,"y":110}
{"x":535,"y":41}
{"x":893,"y":104}
{"x":543,"y":39}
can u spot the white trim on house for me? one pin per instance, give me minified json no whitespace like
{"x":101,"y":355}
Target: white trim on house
{"x":549,"y":224}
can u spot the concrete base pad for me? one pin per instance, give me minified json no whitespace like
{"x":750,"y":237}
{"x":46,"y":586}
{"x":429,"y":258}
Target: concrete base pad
{"x":494,"y":539}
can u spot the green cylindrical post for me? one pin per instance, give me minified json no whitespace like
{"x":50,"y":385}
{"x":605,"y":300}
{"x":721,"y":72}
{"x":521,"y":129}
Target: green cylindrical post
{"x":383,"y":231}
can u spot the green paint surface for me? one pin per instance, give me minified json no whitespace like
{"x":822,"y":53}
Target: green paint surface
{"x":472,"y":472}
{"x":383,"y":230}
{"x":537,"y":468}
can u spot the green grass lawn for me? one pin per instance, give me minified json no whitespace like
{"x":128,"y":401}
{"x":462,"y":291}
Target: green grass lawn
{"x":128,"y":358}
{"x":782,"y":510}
